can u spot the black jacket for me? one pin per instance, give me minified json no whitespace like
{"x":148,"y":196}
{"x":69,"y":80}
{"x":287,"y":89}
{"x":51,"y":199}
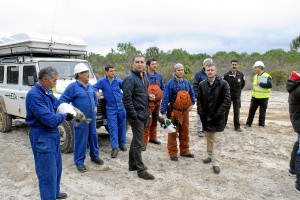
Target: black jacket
{"x":212,"y":102}
{"x":135,"y":96}
{"x":293,"y":87}
{"x":236,"y":83}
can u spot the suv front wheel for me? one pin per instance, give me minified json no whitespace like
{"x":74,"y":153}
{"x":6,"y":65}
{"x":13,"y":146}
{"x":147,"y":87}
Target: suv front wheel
{"x":66,"y":137}
{"x":5,"y":121}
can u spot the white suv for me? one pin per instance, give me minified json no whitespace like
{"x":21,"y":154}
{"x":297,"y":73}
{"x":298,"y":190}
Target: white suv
{"x":19,"y":67}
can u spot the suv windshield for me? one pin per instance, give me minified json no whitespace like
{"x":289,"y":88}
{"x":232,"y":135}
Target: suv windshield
{"x":65,"y":69}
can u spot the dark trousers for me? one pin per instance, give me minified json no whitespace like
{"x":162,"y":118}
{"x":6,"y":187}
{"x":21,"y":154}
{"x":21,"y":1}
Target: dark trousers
{"x":255,"y":103}
{"x":293,"y":155}
{"x":295,"y":162}
{"x":135,"y":151}
{"x":236,"y":102}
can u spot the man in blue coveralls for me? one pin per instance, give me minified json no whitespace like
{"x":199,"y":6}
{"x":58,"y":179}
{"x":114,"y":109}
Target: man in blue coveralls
{"x":111,"y":87}
{"x":44,"y":136}
{"x":82,"y":95}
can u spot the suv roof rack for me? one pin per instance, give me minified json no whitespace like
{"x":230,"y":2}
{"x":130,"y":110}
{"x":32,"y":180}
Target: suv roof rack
{"x":31,"y":44}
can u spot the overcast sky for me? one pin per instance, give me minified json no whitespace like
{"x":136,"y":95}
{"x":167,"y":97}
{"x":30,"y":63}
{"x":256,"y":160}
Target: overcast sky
{"x":197,"y":26}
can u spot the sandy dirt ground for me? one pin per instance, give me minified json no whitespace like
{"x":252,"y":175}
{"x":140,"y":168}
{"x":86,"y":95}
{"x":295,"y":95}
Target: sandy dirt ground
{"x":254,"y":165}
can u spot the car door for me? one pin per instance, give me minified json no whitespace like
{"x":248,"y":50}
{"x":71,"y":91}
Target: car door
{"x":26,"y":71}
{"x":11,"y":89}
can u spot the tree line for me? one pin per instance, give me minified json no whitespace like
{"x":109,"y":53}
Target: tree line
{"x":279,"y":63}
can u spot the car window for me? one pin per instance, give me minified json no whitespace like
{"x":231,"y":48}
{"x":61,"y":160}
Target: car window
{"x":29,"y":71}
{"x":1,"y":74}
{"x":13,"y":75}
{"x":65,"y":69}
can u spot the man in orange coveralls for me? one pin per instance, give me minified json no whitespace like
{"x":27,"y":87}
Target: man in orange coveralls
{"x":155,"y":85}
{"x":178,"y":100}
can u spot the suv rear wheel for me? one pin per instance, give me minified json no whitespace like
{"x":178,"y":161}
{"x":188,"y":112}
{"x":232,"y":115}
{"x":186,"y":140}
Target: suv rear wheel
{"x":5,"y":121}
{"x":66,"y":137}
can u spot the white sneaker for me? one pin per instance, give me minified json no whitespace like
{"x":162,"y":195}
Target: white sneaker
{"x":298,"y":191}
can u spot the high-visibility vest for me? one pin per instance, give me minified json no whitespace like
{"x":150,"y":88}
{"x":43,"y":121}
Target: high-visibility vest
{"x":259,"y":92}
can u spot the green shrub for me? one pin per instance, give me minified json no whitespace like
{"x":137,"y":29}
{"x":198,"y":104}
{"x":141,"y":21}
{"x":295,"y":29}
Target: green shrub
{"x":279,"y":77}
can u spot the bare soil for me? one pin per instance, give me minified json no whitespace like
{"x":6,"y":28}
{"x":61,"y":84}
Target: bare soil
{"x":254,"y":165}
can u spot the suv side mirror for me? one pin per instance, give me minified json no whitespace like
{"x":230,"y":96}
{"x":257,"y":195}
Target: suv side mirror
{"x":31,"y":81}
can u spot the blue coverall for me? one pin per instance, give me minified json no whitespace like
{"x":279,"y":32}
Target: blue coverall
{"x":44,"y":137}
{"x":115,"y":110}
{"x":83,"y":98}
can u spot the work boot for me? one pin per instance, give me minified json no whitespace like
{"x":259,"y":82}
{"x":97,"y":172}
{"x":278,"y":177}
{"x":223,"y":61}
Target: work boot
{"x":145,"y":175}
{"x":123,"y":148}
{"x":174,"y":158}
{"x":114,"y":153}
{"x":98,"y":161}
{"x":190,"y":155}
{"x":216,"y":169}
{"x":62,"y":195}
{"x":155,"y":142}
{"x":207,"y":160}
{"x":81,"y":168}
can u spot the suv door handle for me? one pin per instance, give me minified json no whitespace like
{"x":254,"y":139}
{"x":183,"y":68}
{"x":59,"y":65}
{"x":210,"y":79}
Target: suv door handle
{"x":22,"y":97}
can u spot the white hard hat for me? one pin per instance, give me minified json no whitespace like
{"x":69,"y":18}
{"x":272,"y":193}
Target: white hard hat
{"x":80,"y":67}
{"x":259,"y":64}
{"x":65,"y":108}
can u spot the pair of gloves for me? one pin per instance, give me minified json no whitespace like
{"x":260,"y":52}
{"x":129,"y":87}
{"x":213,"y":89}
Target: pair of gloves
{"x":79,"y":117}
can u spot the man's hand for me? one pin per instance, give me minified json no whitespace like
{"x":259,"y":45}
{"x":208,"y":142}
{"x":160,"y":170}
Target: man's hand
{"x":95,"y":109}
{"x":98,"y":95}
{"x":190,"y":108}
{"x":164,"y":117}
{"x":69,"y":117}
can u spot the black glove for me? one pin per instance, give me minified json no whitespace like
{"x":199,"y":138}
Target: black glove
{"x":69,"y":117}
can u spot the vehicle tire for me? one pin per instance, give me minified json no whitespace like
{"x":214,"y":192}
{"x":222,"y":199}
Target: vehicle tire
{"x":5,"y":121}
{"x":66,"y":137}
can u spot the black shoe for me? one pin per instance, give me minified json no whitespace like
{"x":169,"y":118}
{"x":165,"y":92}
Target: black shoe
{"x":114,"y":153}
{"x":145,"y":175}
{"x":81,"y":168}
{"x":174,"y":158}
{"x":143,"y":148}
{"x":297,"y":190}
{"x":207,"y":160}
{"x":155,"y":142}
{"x":62,"y":196}
{"x":216,"y":169}
{"x":238,"y":129}
{"x":247,"y":126}
{"x":292,"y":173}
{"x":98,"y":161}
{"x":201,"y":134}
{"x":123,"y":148}
{"x":261,"y":126}
{"x":190,"y":155}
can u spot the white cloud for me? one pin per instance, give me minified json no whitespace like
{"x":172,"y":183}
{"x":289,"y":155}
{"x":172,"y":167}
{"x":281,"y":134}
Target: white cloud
{"x":194,"y":25}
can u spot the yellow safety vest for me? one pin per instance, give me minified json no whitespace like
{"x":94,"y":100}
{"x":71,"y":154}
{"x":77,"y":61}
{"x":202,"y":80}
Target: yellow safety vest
{"x":259,"y":92}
